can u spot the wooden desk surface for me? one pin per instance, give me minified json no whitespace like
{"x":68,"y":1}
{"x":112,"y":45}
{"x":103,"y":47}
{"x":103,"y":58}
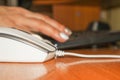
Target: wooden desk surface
{"x":67,"y":68}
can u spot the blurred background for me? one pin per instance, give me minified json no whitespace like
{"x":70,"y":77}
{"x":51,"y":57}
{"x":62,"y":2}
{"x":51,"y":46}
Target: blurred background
{"x":75,"y":14}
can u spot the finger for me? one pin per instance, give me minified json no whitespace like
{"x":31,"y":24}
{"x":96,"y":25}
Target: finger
{"x":43,"y":27}
{"x":52,"y":22}
{"x":35,"y":24}
{"x":45,"y":18}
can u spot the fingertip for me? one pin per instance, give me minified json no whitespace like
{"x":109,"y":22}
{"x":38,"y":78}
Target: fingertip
{"x":61,"y":37}
{"x":67,"y":31}
{"x":64,"y":36}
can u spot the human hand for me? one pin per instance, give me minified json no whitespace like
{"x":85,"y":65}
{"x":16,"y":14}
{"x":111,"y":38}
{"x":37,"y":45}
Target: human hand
{"x":23,"y":19}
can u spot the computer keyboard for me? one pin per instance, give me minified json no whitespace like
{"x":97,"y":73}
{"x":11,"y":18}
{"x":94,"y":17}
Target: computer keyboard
{"x":87,"y":38}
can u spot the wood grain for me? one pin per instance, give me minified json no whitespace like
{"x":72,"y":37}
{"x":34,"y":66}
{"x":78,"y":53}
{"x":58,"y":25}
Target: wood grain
{"x":66,"y":68}
{"x":76,"y":17}
{"x":48,"y":2}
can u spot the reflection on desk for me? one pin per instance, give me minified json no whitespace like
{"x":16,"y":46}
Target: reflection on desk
{"x":21,"y":71}
{"x":66,"y":68}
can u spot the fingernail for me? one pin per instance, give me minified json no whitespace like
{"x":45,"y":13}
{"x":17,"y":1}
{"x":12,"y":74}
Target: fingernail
{"x":64,"y":36}
{"x":68,"y":31}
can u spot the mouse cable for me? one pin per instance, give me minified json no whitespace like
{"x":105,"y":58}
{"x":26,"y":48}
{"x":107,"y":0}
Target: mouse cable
{"x":59,"y":53}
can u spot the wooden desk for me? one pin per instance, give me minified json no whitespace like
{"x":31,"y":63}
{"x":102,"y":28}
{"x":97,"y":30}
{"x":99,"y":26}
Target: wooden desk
{"x":67,"y":68}
{"x":48,"y":2}
{"x":75,"y":14}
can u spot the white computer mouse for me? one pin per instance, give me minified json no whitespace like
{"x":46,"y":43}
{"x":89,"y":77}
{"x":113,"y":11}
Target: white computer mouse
{"x":19,"y":46}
